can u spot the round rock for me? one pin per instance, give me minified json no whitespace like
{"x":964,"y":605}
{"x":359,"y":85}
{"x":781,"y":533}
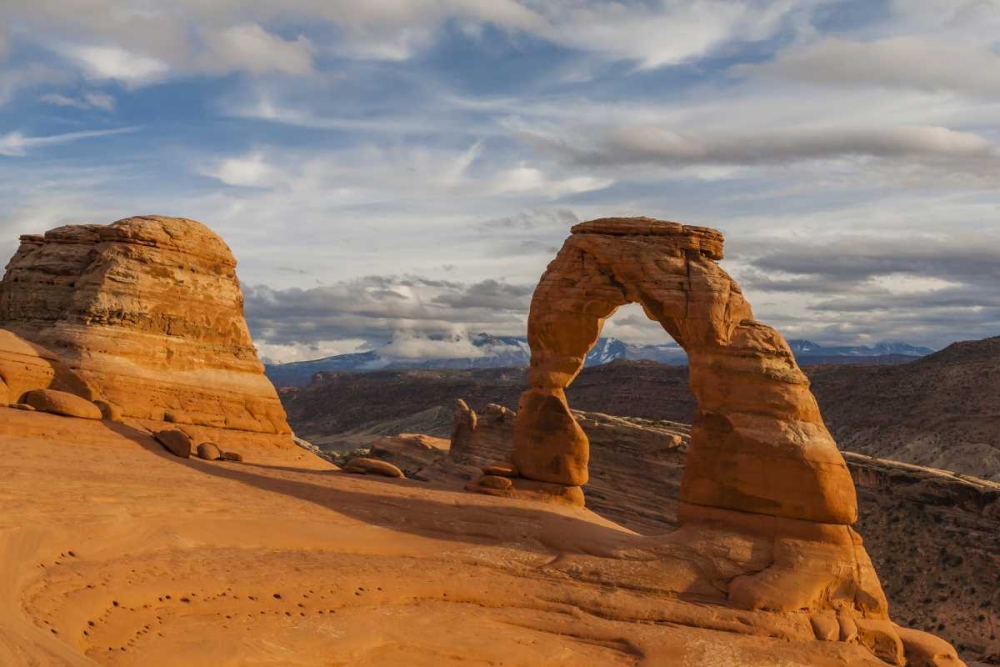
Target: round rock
{"x":176,"y":442}
{"x":209,"y":451}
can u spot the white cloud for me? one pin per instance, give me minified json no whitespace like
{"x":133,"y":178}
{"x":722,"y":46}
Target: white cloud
{"x":653,"y":34}
{"x":15,"y":144}
{"x":524,"y":179}
{"x":251,"y":48}
{"x":663,"y":33}
{"x":899,"y":62}
{"x":243,"y":171}
{"x":117,"y":64}
{"x":283,"y":353}
{"x":413,"y":345}
{"x":87,"y":101}
{"x":657,"y":145}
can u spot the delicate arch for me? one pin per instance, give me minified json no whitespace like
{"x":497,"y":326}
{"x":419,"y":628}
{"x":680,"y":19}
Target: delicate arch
{"x":758,"y":442}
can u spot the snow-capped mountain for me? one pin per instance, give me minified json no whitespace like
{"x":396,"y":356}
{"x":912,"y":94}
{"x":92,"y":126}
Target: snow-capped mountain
{"x":512,"y":351}
{"x":803,"y":349}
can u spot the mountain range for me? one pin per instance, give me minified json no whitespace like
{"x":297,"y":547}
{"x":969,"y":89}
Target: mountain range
{"x":513,"y":352}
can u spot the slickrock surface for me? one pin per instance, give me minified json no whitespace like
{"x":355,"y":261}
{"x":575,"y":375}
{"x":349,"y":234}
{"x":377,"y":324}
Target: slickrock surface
{"x":145,"y":313}
{"x":287,"y":561}
{"x":934,"y":536}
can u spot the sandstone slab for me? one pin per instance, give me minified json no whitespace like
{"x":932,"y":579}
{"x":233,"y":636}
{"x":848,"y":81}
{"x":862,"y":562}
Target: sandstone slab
{"x":501,"y":469}
{"x":61,"y":403}
{"x":368,"y":466}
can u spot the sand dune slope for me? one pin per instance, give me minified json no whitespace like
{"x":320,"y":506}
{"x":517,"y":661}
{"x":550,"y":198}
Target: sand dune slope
{"x":113,"y":552}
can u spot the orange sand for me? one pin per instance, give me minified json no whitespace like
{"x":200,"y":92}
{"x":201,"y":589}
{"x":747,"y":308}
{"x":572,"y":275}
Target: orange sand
{"x":113,"y":552}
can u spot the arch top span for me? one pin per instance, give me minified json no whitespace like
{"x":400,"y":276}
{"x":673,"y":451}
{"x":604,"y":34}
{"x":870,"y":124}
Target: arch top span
{"x":706,"y":240}
{"x":758,"y":441}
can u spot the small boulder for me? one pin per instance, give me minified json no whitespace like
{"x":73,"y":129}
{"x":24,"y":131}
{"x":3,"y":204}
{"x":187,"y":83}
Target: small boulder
{"x":109,"y":411}
{"x":495,"y":482}
{"x":176,"y":442}
{"x":209,"y":451}
{"x":501,"y":469}
{"x":366,"y":466}
{"x":232,"y":456}
{"x":61,"y":403}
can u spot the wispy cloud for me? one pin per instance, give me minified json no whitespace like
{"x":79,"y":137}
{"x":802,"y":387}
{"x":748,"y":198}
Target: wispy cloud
{"x":15,"y":144}
{"x":86,"y":101}
{"x":898,"y":62}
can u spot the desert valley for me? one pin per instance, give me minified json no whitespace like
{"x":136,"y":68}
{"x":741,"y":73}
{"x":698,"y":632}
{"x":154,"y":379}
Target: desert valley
{"x":157,"y":508}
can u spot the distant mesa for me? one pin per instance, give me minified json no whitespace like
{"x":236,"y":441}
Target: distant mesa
{"x":143,"y":317}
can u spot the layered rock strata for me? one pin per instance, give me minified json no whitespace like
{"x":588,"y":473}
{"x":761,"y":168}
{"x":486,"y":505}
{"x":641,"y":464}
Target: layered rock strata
{"x":145,"y":314}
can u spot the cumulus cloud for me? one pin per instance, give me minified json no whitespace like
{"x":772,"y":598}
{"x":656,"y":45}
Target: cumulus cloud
{"x":250,"y":170}
{"x":409,"y":345}
{"x":898,"y":62}
{"x":115,"y":63}
{"x":405,"y":311}
{"x":15,"y":144}
{"x":250,"y":47}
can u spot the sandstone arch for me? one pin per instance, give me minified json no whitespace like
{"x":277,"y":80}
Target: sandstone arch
{"x":758,"y":441}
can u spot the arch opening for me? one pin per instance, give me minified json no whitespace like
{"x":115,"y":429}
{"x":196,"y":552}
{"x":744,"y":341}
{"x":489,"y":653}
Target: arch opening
{"x":758,"y":443}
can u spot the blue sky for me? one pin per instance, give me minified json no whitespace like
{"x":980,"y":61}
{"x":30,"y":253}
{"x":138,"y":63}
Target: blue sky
{"x":393,"y":170}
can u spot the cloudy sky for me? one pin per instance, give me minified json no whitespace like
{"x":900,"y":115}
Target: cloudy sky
{"x":390,"y":170}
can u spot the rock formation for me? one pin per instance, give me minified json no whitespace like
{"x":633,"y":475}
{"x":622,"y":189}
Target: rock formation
{"x":61,"y":403}
{"x":758,"y":442}
{"x":146,"y":315}
{"x":175,"y":441}
{"x":480,"y":438}
{"x":368,"y":466}
{"x":767,"y":501}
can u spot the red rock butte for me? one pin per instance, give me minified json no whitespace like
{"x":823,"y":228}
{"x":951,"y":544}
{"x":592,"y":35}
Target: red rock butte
{"x":763,"y":475}
{"x":145,"y":314}
{"x":758,"y":442}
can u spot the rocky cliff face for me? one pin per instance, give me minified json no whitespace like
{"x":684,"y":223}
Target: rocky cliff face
{"x":145,"y":313}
